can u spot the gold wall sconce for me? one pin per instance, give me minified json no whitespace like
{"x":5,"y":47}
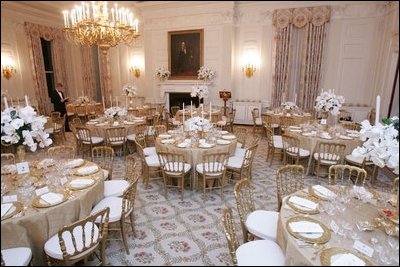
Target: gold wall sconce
{"x":7,"y":67}
{"x":249,"y":70}
{"x":135,"y":65}
{"x":135,"y":71}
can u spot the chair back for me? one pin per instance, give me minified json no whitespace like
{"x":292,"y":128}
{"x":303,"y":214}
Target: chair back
{"x":141,"y":129}
{"x":172,"y":163}
{"x":351,"y":125}
{"x":269,"y":133}
{"x":130,"y":168}
{"x":247,"y":163}
{"x":332,"y":152}
{"x":232,"y":116}
{"x":286,"y":121}
{"x":255,"y":113}
{"x":7,"y":158}
{"x":128,"y":197}
{"x":241,"y":135}
{"x":347,"y":173}
{"x":245,"y":204}
{"x":344,"y":115}
{"x":76,"y":121}
{"x":291,"y":146}
{"x":103,"y":156}
{"x":80,"y":110}
{"x":159,"y":129}
{"x":54,"y":115}
{"x":61,"y":152}
{"x":289,"y":179}
{"x":92,"y":231}
{"x":214,"y":164}
{"x":228,"y":224}
{"x":174,"y":110}
{"x":116,"y":135}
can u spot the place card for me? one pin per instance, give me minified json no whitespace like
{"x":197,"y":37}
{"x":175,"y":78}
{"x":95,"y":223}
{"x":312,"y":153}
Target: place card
{"x":63,"y":180}
{"x":334,"y":226}
{"x":42,"y":191}
{"x":10,"y":198}
{"x":363,"y":248}
{"x":23,"y":167}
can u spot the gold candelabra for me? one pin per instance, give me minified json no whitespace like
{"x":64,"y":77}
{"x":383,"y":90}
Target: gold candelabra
{"x":99,"y":26}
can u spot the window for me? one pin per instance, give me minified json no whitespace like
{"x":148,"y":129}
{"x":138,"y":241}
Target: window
{"x":48,"y":65}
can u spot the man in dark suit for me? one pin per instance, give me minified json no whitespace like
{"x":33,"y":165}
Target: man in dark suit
{"x":58,"y":99}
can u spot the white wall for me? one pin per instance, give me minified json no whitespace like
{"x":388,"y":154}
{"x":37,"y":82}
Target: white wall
{"x":358,"y":65}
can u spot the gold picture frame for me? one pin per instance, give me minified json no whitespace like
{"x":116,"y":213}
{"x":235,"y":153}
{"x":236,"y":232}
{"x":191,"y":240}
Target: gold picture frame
{"x":185,"y":53}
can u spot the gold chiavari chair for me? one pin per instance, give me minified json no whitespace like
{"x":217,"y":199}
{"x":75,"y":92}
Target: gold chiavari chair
{"x":79,"y":240}
{"x":257,"y":121}
{"x":364,"y":163}
{"x":272,"y":121}
{"x":104,"y":157}
{"x":17,"y":256}
{"x":91,"y":117}
{"x":242,"y":166}
{"x":174,"y":110}
{"x":7,"y":147}
{"x":81,"y":112}
{"x":7,"y":158}
{"x":351,"y":125}
{"x":116,"y":188}
{"x":286,"y":121}
{"x":99,"y":109}
{"x":349,"y":173}
{"x":289,"y":179}
{"x":250,"y":218}
{"x":212,"y":172}
{"x":241,"y":135}
{"x":328,"y":154}
{"x":54,"y":115}
{"x":230,"y":121}
{"x":275,"y":143}
{"x":116,"y":137}
{"x":77,"y":121}
{"x":159,"y":129}
{"x":150,"y":164}
{"x":344,"y":115}
{"x":86,"y":141}
{"x":70,"y":108}
{"x":61,"y":152}
{"x":292,"y":153}
{"x":245,"y":254}
{"x":174,"y":169}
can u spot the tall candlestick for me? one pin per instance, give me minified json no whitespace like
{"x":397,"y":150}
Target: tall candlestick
{"x":183,"y":115}
{"x":116,"y":101}
{"x":5,"y":102}
{"x":104,"y":104}
{"x":210,"y":111}
{"x":202,"y":112}
{"x":191,"y":109}
{"x":377,"y":109}
{"x":295,"y":98}
{"x":26,"y":101}
{"x":12,"y":103}
{"x":110,"y":100}
{"x":126,"y":102}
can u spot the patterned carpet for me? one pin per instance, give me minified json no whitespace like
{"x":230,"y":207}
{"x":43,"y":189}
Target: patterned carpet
{"x":174,"y":232}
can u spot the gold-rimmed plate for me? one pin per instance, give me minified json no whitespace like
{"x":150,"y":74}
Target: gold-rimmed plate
{"x":300,"y":208}
{"x":317,"y":238}
{"x":206,"y":145}
{"x":38,"y":202}
{"x":370,"y":190}
{"x":75,"y":163}
{"x":78,"y":172}
{"x":14,"y":209}
{"x":80,"y":184}
{"x":329,"y":255}
{"x":315,"y":193}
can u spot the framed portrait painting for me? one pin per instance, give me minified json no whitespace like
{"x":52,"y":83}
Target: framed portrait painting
{"x":185,"y":53}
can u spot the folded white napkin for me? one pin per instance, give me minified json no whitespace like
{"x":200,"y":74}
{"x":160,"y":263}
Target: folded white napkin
{"x":306,"y":227}
{"x":325,"y":135}
{"x":223,"y":132}
{"x":223,"y":142}
{"x":295,"y":130}
{"x":81,"y":182}
{"x":129,"y":122}
{"x":304,"y":203}
{"x":323,"y":191}
{"x":352,"y":131}
{"x":307,"y":114}
{"x":9,"y":169}
{"x":5,"y":208}
{"x":346,"y":259}
{"x":88,"y":170}
{"x":312,"y":133}
{"x":45,"y":163}
{"x":228,"y":137}
{"x":294,"y":127}
{"x":360,"y":190}
{"x":354,"y":134}
{"x":167,"y":141}
{"x":345,"y":137}
{"x":164,"y":135}
{"x":205,"y":145}
{"x":52,"y":198}
{"x":183,"y":144}
{"x":74,"y":163}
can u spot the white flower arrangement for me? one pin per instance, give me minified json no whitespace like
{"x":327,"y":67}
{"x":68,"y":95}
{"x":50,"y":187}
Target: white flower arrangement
{"x":199,"y":90}
{"x":197,"y":124}
{"x":381,"y":144}
{"x":129,"y":90}
{"x":205,"y":74}
{"x":115,"y":112}
{"x":330,"y":102}
{"x":22,"y":126}
{"x":289,"y":105}
{"x":83,"y":100}
{"x":162,"y":74}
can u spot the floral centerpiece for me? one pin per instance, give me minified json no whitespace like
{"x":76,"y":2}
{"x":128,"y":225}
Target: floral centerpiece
{"x":205,"y":74}
{"x":197,"y":124}
{"x":329,"y":102}
{"x":82,"y":100}
{"x":289,"y":105}
{"x":162,"y":74}
{"x":115,"y":112}
{"x":381,"y":143}
{"x":130,"y":90}
{"x":23,"y":126}
{"x":199,"y":90}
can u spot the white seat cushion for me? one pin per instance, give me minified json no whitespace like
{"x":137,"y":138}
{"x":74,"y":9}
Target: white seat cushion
{"x":115,"y":205}
{"x":105,"y":174}
{"x":327,"y":158}
{"x":221,"y":123}
{"x":263,"y":223}
{"x":235,"y":162}
{"x":240,"y":152}
{"x":70,"y":114}
{"x":49,"y":130}
{"x":274,"y":125}
{"x":218,"y":167}
{"x":355,"y":160}
{"x":131,"y":137}
{"x":115,"y":188}
{"x":277,"y":139}
{"x":240,"y":145}
{"x":260,"y":253}
{"x":148,"y":151}
{"x":20,"y":256}
{"x":302,"y":152}
{"x":95,"y":140}
{"x":258,"y":121}
{"x":170,"y":166}
{"x":53,"y":249}
{"x":152,"y":161}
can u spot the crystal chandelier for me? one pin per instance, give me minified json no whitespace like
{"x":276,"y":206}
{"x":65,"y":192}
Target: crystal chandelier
{"x":96,"y":25}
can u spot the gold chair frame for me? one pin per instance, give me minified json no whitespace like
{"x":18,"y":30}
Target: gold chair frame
{"x":289,"y":179}
{"x":245,"y":204}
{"x":347,"y":172}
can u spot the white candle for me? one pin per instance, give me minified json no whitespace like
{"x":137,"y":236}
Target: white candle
{"x":5,"y":102}
{"x":191,"y":109}
{"x":104,"y":104}
{"x":202,"y":112}
{"x":183,"y":114}
{"x":26,"y":101}
{"x":116,"y":101}
{"x":295,"y":98}
{"x":210,"y":111}
{"x":377,"y":109}
{"x":110,"y":100}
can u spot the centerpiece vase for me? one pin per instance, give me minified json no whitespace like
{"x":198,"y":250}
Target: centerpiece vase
{"x":332,"y":120}
{"x":21,"y":153}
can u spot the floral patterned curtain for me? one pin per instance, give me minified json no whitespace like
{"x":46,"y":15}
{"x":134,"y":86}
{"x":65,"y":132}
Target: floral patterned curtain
{"x":88,"y":73}
{"x":105,"y":76}
{"x":315,"y":20}
{"x":33,"y":33}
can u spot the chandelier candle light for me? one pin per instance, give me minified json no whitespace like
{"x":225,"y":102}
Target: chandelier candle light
{"x":97,"y":25}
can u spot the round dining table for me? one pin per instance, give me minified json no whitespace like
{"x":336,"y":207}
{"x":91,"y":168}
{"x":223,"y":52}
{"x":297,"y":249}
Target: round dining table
{"x":98,"y":127}
{"x":347,"y":222}
{"x":36,"y":220}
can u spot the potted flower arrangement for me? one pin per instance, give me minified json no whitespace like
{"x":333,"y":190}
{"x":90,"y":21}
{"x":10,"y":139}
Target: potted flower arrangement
{"x":162,"y":74}
{"x":130,"y":90}
{"x":330,"y":103}
{"x":200,"y":90}
{"x":22,"y":126}
{"x":205,"y":74}
{"x":381,"y":143}
{"x":114,"y":113}
{"x":82,"y":100}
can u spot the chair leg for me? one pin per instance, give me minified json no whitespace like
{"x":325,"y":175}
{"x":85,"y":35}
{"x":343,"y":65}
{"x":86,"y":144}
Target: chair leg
{"x":132,"y":218}
{"x":272,"y":155}
{"x":123,"y":233}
